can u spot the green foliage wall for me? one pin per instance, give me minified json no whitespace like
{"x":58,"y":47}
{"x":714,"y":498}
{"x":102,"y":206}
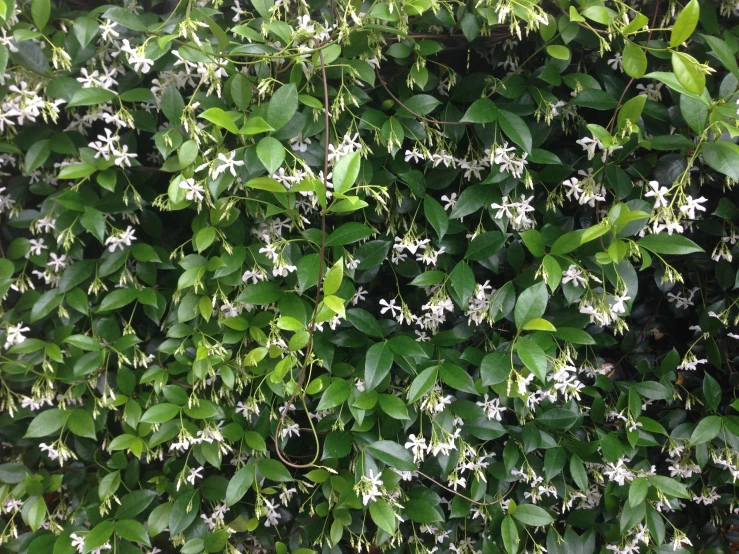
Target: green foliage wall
{"x":406,"y":276}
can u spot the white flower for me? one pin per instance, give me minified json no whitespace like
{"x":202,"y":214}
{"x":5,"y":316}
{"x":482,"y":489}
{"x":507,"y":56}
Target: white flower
{"x":14,"y":335}
{"x":618,"y":307}
{"x":389,"y":306}
{"x":449,"y":201}
{"x":692,"y":204}
{"x":36,"y":246}
{"x":651,"y":91}
{"x":195,"y":474}
{"x":492,"y":408}
{"x":574,"y":275}
{"x":619,"y":472}
{"x":57,"y":263}
{"x":122,"y":157}
{"x":659,"y":194}
{"x":414,"y":155}
{"x":229,"y":163}
{"x":194,"y":191}
{"x":418,"y":446}
{"x":617,"y":62}
{"x":78,"y":542}
{"x":589,"y":145}
{"x":124,"y":239}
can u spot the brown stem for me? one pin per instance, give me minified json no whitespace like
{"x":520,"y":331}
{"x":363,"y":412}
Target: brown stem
{"x":311,"y":329}
{"x":419,"y":116}
{"x":618,"y":108}
{"x":463,"y":496}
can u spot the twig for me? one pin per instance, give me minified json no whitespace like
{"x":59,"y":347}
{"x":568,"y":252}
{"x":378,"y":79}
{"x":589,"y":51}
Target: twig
{"x":618,"y":108}
{"x":463,"y":496}
{"x":419,"y":116}
{"x":311,"y":329}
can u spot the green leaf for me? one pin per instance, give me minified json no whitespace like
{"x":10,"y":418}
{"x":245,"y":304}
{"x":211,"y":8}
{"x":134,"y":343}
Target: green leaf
{"x":393,"y":406}
{"x":421,"y":104}
{"x":37,"y":154}
{"x":422,"y":383}
{"x":638,"y":491}
{"x":436,"y":216}
{"x":85,"y":29}
{"x":515,"y":129}
{"x":573,"y":335}
{"x":271,"y":153}
{"x":125,"y":18}
{"x":631,"y":110}
{"x":485,"y":245}
{"x":81,"y":424}
{"x":46,"y":423}
{"x":685,"y":24}
{"x":40,"y":11}
{"x":345,"y":172}
{"x":712,"y":392}
{"x":161,"y":413}
{"x":13,"y":473}
{"x":348,"y":233}
{"x":688,"y":73}
{"x":723,"y":52}
{"x":533,"y":516}
{"x":282,"y":106}
{"x":495,"y":368}
{"x":707,"y":429}
{"x":274,"y":470}
{"x":531,"y":304}
{"x":94,"y":221}
{"x":509,"y":533}
{"x":634,"y":60}
{"x":457,"y":378}
{"x":172,"y":104}
{"x":334,"y":395}
{"x":220,"y":118}
{"x":577,"y":470}
{"x":669,"y":486}
{"x":662,"y":243}
{"x":34,"y":512}
{"x":462,"y":282}
{"x":723,"y":156}
{"x":558,"y":51}
{"x":265,"y":292}
{"x":239,"y":484}
{"x":559,"y":418}
{"x":377,"y":364}
{"x":180,"y":518}
{"x":539,"y":324}
{"x":383,"y":516}
{"x":133,"y":531}
{"x":393,"y":455}
{"x":671,"y":80}
{"x":134,"y":503}
{"x":99,"y":535}
{"x":118,"y":299}
{"x":472,"y":199}
{"x":483,"y":110}
{"x":91,"y":97}
{"x":533,"y":357}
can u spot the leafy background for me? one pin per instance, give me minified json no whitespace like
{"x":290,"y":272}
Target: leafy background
{"x":349,"y":276}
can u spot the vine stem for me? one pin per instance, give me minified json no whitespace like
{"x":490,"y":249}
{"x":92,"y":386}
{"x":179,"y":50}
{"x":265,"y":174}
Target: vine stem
{"x":311,"y":329}
{"x":499,"y":500}
{"x":618,"y":108}
{"x":419,"y":116}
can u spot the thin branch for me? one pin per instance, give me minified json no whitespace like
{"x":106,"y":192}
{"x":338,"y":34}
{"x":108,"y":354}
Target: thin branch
{"x":419,"y":116}
{"x":498,"y":501}
{"x":311,"y":329}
